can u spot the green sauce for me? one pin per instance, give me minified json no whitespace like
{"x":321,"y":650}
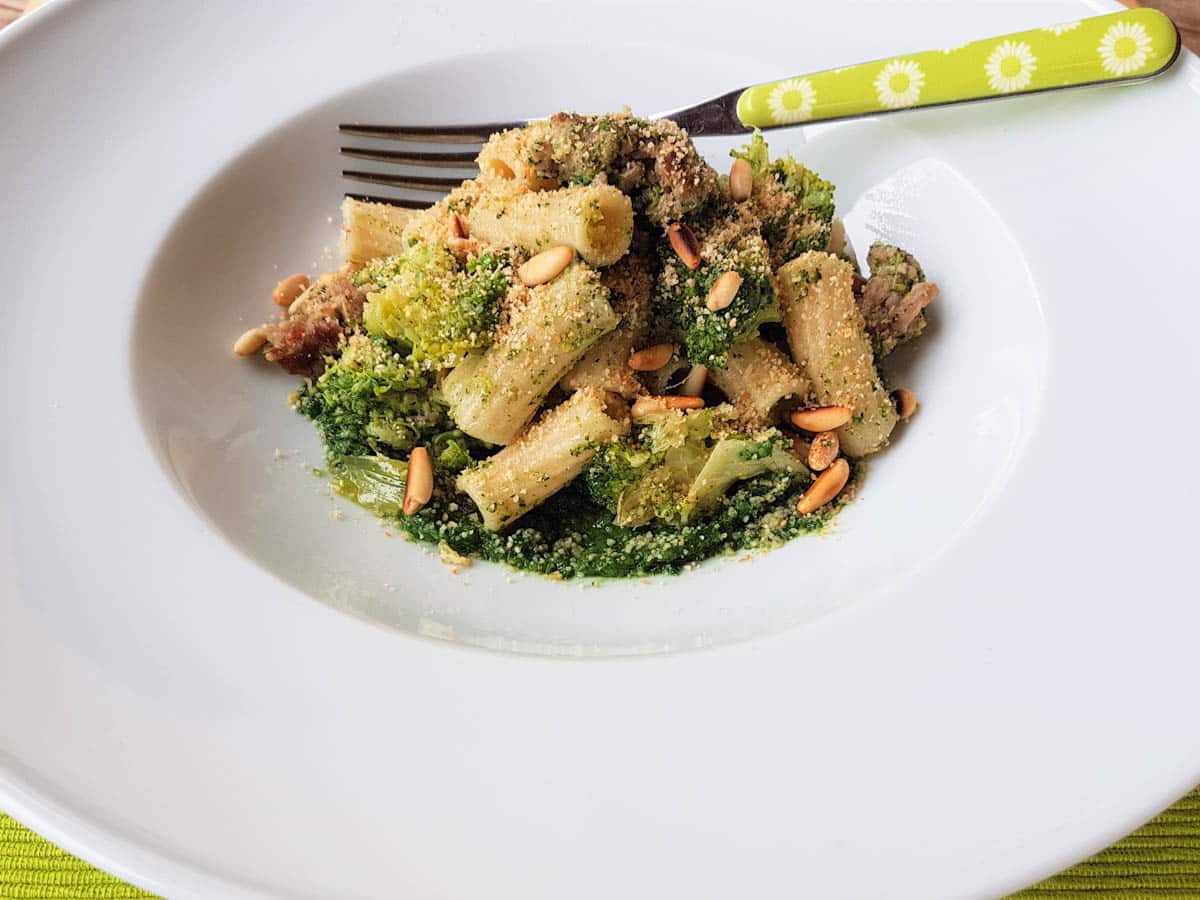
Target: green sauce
{"x":569,"y":536}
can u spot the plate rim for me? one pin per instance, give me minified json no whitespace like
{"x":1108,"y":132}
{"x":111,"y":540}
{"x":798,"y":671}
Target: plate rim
{"x":141,"y":864}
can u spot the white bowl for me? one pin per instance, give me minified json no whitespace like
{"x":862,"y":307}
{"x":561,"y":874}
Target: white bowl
{"x":983,"y":673}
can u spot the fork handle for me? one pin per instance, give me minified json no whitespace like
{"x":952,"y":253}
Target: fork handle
{"x":1121,"y":46}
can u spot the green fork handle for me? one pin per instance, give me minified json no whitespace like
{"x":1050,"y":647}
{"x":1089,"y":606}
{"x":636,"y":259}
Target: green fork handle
{"x":1121,"y":46}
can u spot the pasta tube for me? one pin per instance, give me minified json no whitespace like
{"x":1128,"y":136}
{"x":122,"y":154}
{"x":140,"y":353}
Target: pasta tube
{"x":371,"y":230}
{"x":492,"y":395}
{"x":597,"y":221}
{"x":513,"y":156}
{"x":544,"y":459}
{"x":652,"y":161}
{"x":757,"y":377}
{"x":829,"y":340}
{"x":606,"y":363}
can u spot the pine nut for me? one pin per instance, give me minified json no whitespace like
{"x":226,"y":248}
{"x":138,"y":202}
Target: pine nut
{"x":906,"y":402}
{"x":651,"y":359}
{"x":289,"y":289}
{"x":250,"y":342}
{"x":823,"y":450}
{"x":693,"y":385}
{"x":827,"y":486}
{"x":822,"y":418}
{"x":298,"y":304}
{"x":457,"y":226}
{"x":418,"y":484}
{"x":545,"y":266}
{"x":741,"y":180}
{"x":723,"y":291}
{"x":644,"y":406}
{"x":685,"y":245}
{"x":501,"y":168}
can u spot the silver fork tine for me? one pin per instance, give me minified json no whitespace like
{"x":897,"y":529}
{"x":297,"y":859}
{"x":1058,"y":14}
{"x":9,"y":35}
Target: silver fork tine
{"x":464,"y":160}
{"x":434,"y":134}
{"x":404,"y":202}
{"x":414,"y":182}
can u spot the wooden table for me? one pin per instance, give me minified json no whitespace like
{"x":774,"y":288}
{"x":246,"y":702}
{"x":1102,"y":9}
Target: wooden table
{"x":1186,"y":14}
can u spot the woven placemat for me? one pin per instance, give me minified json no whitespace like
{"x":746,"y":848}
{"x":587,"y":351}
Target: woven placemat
{"x":1161,"y":859}
{"x":32,"y":868}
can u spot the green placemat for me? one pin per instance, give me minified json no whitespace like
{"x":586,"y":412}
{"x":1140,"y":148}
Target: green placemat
{"x":1162,"y":859}
{"x":32,"y":868}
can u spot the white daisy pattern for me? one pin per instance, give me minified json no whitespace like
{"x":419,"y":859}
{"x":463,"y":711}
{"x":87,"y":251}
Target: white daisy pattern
{"x":1010,"y":67}
{"x":1125,"y":48}
{"x":899,"y":84}
{"x":792,"y":101}
{"x":1062,"y":28}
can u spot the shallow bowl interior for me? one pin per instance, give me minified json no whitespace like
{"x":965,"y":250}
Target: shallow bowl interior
{"x":224,"y":432}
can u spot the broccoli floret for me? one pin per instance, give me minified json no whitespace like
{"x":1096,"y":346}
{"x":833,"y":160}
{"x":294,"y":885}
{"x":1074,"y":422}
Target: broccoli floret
{"x":647,"y":476}
{"x":436,"y":309}
{"x":814,"y":195}
{"x":682,"y":293}
{"x":637,"y":485}
{"x":677,"y":467}
{"x":616,"y":469}
{"x":796,"y":204}
{"x":735,"y":459}
{"x":480,"y":289}
{"x":755,"y":153}
{"x":371,"y":400}
{"x":452,"y":450}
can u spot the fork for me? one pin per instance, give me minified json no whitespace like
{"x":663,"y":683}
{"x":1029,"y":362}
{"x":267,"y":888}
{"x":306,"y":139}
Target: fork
{"x":1127,"y":46}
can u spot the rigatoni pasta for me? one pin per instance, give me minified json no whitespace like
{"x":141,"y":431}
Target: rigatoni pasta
{"x":511,"y":159}
{"x":371,"y":230}
{"x":494,"y":394}
{"x":596,"y":220}
{"x":758,"y":376}
{"x":605,"y":365}
{"x":828,"y":338}
{"x":548,"y":455}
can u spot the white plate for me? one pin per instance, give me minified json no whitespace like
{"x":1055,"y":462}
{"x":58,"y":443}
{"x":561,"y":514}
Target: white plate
{"x":983,"y":674}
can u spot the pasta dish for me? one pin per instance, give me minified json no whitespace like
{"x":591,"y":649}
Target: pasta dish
{"x":600,"y":357}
